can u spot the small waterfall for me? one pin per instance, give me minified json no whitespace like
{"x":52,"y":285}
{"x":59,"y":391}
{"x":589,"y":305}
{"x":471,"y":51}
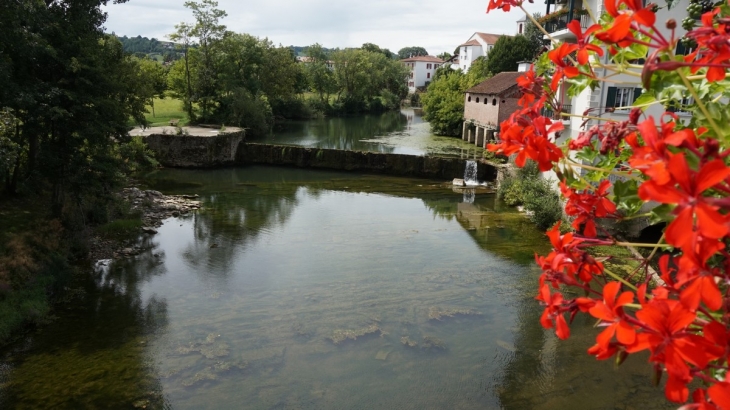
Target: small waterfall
{"x":470,"y":173}
{"x":469,"y":195}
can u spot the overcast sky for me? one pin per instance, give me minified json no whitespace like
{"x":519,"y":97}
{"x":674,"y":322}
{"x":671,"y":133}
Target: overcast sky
{"x":437,"y":25}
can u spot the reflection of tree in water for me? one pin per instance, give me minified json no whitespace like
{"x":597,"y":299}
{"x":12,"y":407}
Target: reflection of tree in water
{"x":344,"y":133}
{"x":94,"y":354}
{"x":231,"y":221}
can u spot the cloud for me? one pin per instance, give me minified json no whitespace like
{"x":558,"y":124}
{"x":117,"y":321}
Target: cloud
{"x":433,"y":24}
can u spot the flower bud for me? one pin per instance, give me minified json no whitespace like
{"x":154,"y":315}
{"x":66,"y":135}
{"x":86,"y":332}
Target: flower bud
{"x":671,"y":24}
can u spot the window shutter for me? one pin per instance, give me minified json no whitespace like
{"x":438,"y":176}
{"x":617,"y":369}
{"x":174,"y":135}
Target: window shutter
{"x":637,"y":93}
{"x":681,"y":49}
{"x":611,"y":97}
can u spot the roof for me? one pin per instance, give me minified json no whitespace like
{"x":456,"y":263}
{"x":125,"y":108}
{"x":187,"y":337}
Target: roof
{"x":524,"y":18}
{"x":490,"y":38}
{"x":497,"y":84}
{"x":427,"y":59}
{"x":471,"y":43}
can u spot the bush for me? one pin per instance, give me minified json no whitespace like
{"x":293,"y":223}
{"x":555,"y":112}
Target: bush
{"x":529,"y":189}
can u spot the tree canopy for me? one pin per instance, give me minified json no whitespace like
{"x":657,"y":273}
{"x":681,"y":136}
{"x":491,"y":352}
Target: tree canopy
{"x":507,"y":52}
{"x":407,"y":52}
{"x":443,"y":102}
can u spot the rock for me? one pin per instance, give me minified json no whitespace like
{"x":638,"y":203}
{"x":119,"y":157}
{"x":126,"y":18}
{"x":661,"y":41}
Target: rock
{"x":152,"y":193}
{"x":175,"y":213}
{"x":459,"y":182}
{"x":149,"y":230}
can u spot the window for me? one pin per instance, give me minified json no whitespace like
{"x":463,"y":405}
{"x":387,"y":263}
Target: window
{"x":428,"y":66}
{"x":520,"y":29}
{"x":680,"y":106}
{"x":477,"y":100}
{"x":428,"y":75}
{"x":410,"y":75}
{"x":469,"y":98}
{"x":618,"y":97}
{"x":410,"y":84}
{"x":494,"y":101}
{"x":485,"y":101}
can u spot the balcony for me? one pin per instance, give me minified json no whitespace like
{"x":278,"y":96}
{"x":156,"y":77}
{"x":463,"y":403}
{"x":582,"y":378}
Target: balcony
{"x":547,"y":112}
{"x":556,"y":23}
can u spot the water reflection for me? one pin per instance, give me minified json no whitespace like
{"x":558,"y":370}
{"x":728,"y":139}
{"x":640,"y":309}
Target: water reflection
{"x":238,"y":306}
{"x":402,"y":132}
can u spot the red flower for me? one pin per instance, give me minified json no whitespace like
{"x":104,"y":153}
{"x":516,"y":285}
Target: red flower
{"x":620,"y":30}
{"x":691,"y":203}
{"x":584,"y":45}
{"x":713,"y":46}
{"x":562,"y":68}
{"x":665,"y":334}
{"x":587,"y":206}
{"x":611,"y":313}
{"x":552,"y":316}
{"x":505,"y":5}
{"x":720,"y":394}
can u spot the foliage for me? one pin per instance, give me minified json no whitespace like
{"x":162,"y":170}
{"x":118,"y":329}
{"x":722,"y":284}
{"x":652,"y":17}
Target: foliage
{"x":529,"y":189}
{"x":507,"y":52}
{"x":408,"y":52}
{"x":535,"y":36}
{"x":136,"y":157}
{"x":443,"y":102}
{"x":148,"y":47}
{"x":678,"y":164}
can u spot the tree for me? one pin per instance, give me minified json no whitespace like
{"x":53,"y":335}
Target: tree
{"x":183,"y":41}
{"x":408,"y":52}
{"x":443,"y":102}
{"x":154,"y":80}
{"x":209,"y":32}
{"x":445,"y":56}
{"x":507,"y":52}
{"x":321,"y":78}
{"x":370,"y":47}
{"x":535,"y":36}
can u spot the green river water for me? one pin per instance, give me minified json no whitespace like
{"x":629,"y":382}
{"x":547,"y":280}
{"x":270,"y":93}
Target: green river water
{"x":239,"y":306}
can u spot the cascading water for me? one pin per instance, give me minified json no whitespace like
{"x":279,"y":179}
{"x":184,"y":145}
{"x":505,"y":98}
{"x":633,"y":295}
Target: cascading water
{"x":470,"y":173}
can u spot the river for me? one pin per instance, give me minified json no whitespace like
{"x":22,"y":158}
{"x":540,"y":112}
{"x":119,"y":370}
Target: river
{"x":250,"y":303}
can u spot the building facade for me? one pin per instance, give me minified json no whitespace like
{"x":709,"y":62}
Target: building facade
{"x":422,"y":69}
{"x":478,"y":45}
{"x":487,"y":104}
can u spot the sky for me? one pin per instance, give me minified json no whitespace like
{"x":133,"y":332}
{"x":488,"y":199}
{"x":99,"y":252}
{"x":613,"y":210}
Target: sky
{"x":436,"y":25}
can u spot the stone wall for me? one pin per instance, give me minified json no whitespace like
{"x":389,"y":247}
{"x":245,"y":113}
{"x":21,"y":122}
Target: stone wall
{"x":189,"y":151}
{"x":392,"y":164}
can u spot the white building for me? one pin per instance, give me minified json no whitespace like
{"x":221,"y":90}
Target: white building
{"x":422,"y":70}
{"x":478,"y":45}
{"x":608,"y":99}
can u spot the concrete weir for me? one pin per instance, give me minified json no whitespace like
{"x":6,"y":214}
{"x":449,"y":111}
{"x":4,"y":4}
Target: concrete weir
{"x":186,"y":151}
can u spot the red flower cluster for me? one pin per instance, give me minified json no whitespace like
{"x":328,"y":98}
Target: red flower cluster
{"x":684,"y":321}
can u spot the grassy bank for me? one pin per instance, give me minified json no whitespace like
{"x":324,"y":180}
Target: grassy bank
{"x":166,"y":109}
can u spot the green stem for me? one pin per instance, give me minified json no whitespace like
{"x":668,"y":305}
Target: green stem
{"x":628,"y":218}
{"x":619,"y":278}
{"x":700,"y":104}
{"x":643,"y":245}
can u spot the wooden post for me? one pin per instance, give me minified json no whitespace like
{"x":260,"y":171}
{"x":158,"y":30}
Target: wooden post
{"x":463,"y":131}
{"x":479,"y":141}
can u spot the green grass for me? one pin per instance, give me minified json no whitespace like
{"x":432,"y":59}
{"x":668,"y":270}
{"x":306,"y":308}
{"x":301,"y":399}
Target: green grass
{"x":121,"y":227}
{"x":166,"y":109}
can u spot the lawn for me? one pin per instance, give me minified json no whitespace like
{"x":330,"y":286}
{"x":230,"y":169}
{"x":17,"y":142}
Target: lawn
{"x":166,"y":109}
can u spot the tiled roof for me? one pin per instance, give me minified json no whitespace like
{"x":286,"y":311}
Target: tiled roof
{"x":427,"y":59}
{"x":489,"y":38}
{"x":497,"y":84}
{"x":471,"y":43}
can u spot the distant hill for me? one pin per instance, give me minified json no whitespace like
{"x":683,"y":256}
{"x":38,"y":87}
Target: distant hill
{"x":150,"y":47}
{"x":302,"y":50}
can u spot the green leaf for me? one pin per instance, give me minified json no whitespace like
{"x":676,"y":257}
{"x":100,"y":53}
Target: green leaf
{"x":671,"y":4}
{"x":660,"y":214}
{"x":645,"y":100}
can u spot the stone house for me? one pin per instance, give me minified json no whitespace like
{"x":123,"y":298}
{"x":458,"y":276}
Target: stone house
{"x":489,"y":103}
{"x":422,"y":70}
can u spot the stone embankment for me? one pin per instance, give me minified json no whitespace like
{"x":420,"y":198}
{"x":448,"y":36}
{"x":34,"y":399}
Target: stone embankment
{"x":196,"y":151}
{"x":154,"y":208}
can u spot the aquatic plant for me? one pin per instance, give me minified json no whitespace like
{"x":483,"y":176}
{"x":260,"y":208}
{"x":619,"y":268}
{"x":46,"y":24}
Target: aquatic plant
{"x":435,"y":313}
{"x":340,"y":335}
{"x":619,"y":167}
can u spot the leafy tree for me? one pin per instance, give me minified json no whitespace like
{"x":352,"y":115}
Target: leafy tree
{"x":321,"y":78}
{"x":507,"y":52}
{"x":153,"y":80}
{"x":443,"y":102}
{"x":370,"y":47}
{"x":533,"y":33}
{"x":183,"y":41}
{"x":445,"y":56}
{"x":209,"y":32}
{"x":407,"y":52}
